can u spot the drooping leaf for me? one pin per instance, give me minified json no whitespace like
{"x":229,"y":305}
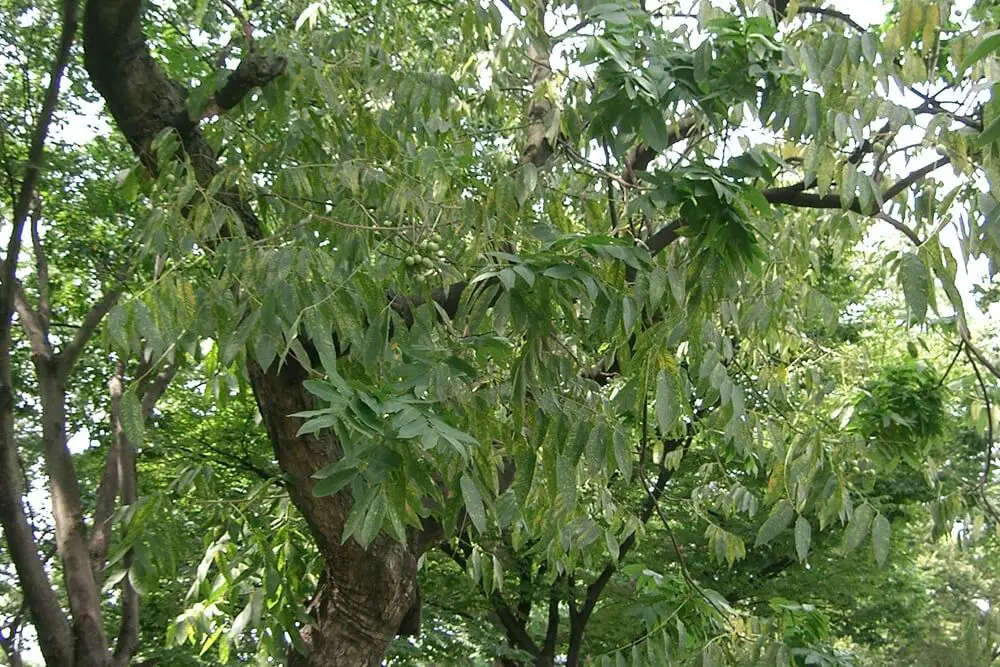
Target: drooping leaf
{"x":777,"y":521}
{"x":916,"y":283}
{"x":857,"y":527}
{"x":133,"y":423}
{"x":667,"y":402}
{"x":473,"y":503}
{"x":881,"y":538}
{"x":803,"y":537}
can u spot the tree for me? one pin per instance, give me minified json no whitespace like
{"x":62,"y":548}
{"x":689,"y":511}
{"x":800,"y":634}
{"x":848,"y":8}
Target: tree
{"x":502,"y":279}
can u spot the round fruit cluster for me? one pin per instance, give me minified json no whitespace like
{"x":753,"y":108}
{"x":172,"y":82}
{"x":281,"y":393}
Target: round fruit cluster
{"x":427,"y":253}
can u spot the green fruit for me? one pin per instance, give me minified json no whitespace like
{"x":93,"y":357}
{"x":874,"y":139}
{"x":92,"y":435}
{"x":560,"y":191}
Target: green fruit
{"x":410,"y":260}
{"x":433,"y":247}
{"x":428,"y":262}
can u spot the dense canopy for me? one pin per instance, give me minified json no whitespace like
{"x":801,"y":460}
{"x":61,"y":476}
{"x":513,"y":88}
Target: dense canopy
{"x":504,"y":332}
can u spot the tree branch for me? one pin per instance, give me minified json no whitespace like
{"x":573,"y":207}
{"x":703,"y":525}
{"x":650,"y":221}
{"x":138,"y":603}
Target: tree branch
{"x":32,"y":324}
{"x":552,"y":626}
{"x":539,"y":147}
{"x":150,"y":392}
{"x":794,"y":196}
{"x":42,"y":265}
{"x":641,"y":155}
{"x":977,"y":353}
{"x":512,"y":625}
{"x":913,"y":177}
{"x":833,"y":13}
{"x":69,"y":355}
{"x":255,"y":70}
{"x":903,"y":229}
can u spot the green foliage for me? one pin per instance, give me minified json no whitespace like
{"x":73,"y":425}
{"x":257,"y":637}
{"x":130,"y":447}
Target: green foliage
{"x":711,"y":427}
{"x":902,"y":412}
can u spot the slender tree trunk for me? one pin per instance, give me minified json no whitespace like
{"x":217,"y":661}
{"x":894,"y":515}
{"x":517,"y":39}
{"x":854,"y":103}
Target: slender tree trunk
{"x":90,"y":639}
{"x":54,"y":638}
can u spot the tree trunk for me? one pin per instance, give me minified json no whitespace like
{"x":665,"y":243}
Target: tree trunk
{"x":365,"y":595}
{"x":90,"y":639}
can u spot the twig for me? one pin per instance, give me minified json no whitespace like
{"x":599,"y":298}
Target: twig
{"x":898,"y":225}
{"x":244,"y":23}
{"x":944,"y":377}
{"x":989,"y":416}
{"x":681,"y":560}
{"x":833,"y":13}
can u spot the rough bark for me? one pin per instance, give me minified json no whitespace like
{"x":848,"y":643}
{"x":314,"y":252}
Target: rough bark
{"x":366,"y":594}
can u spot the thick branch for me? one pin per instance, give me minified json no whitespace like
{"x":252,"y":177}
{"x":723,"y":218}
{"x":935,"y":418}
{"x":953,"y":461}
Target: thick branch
{"x":32,"y":324}
{"x":552,"y":626}
{"x":513,"y":626}
{"x":255,"y":70}
{"x":539,"y":147}
{"x":54,"y":636}
{"x":793,"y":196}
{"x":104,"y":506}
{"x":150,"y":392}
{"x":143,"y":101}
{"x":67,"y":514}
{"x":640,"y":156}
